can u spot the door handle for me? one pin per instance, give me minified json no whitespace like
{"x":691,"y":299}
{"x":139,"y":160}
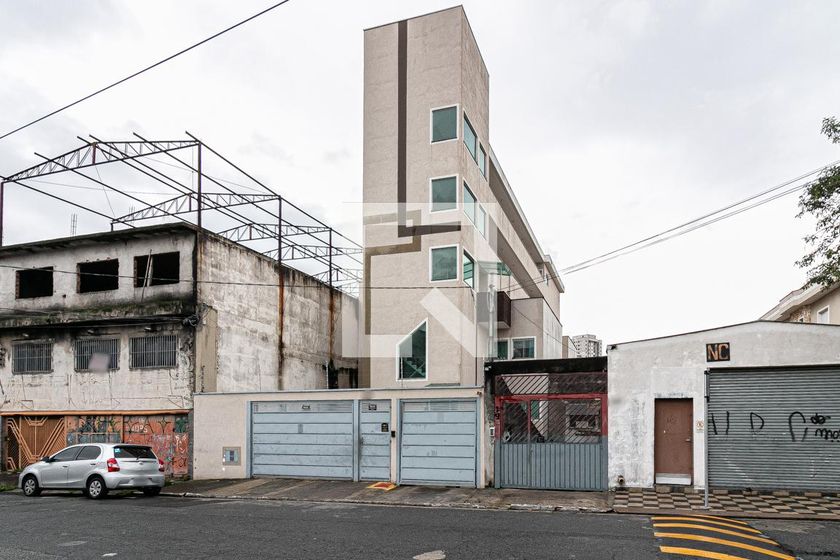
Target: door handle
{"x":688,"y":440}
{"x":93,"y":464}
{"x":65,"y":466}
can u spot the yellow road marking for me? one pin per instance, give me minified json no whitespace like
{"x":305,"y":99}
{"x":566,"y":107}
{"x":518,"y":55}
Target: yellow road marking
{"x":734,"y":544}
{"x":708,"y":521}
{"x":720,"y":519}
{"x":714,"y":530}
{"x":696,"y":553}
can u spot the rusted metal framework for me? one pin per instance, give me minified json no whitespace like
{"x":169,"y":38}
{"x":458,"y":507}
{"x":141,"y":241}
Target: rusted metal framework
{"x":252,"y":214}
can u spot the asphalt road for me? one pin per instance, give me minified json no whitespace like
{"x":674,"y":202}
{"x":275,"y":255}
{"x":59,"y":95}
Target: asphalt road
{"x":69,"y":526}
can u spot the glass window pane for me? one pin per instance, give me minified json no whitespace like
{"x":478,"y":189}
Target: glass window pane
{"x":412,"y":355}
{"x":481,"y":221}
{"x":445,"y":263}
{"x":469,"y":203}
{"x":482,"y":160}
{"x":469,"y":267}
{"x":523,"y":348}
{"x":469,"y":137}
{"x":66,"y":455}
{"x":502,"y":349}
{"x":89,"y":452}
{"x":444,"y":124}
{"x":444,"y":194}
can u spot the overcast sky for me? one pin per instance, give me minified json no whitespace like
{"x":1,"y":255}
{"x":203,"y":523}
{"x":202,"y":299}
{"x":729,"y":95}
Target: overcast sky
{"x":612,"y":120}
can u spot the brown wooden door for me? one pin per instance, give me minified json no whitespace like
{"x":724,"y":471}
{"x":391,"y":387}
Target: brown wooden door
{"x":673,"y":456}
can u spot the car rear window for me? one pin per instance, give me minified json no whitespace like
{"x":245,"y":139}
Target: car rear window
{"x":133,"y":452}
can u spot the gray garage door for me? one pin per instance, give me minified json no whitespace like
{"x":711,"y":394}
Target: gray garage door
{"x":302,"y":439}
{"x":772,"y":429}
{"x":438,"y":442}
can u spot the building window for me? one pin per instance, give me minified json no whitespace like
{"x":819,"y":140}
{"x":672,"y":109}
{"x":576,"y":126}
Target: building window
{"x":32,"y":357}
{"x":163,"y":268}
{"x":444,"y":194}
{"x":535,"y":410}
{"x":411,"y":358}
{"x":482,"y":160}
{"x":524,"y":348}
{"x":444,"y":263}
{"x":502,"y":349}
{"x":822,"y":316}
{"x":99,"y":276}
{"x":444,"y":124}
{"x":159,"y":351}
{"x":34,"y":282}
{"x":469,"y":270}
{"x":97,"y":354}
{"x":469,"y":203}
{"x":470,"y":139}
{"x":481,"y":221}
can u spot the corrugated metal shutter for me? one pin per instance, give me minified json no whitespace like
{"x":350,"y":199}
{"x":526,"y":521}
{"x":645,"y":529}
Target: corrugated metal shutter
{"x":375,"y":444}
{"x":308,"y":439}
{"x":439,"y":442}
{"x":775,"y":429}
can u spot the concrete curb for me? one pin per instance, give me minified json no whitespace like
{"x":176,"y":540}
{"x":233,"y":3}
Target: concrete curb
{"x":450,"y":505}
{"x":726,"y":513}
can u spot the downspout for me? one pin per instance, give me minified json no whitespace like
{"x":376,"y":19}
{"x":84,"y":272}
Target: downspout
{"x":706,"y":441}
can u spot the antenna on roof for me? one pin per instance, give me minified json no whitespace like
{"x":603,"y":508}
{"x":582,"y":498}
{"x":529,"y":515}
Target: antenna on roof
{"x":74,"y":219}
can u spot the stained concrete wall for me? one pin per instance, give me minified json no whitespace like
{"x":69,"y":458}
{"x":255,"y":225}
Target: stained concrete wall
{"x":673,"y":367}
{"x":221,"y":420}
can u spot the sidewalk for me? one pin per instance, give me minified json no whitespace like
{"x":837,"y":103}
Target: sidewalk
{"x":424,"y":496}
{"x":768,"y":505}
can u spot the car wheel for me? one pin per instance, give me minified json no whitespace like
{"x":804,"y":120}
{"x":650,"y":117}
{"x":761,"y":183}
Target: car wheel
{"x":31,"y":487}
{"x":96,"y":488}
{"x":154,"y":491}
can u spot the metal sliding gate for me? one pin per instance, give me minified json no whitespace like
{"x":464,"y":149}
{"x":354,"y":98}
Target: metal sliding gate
{"x":551,"y":431}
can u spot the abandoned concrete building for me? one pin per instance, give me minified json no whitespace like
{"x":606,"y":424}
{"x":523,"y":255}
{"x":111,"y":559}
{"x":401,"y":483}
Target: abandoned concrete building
{"x":106,"y":337}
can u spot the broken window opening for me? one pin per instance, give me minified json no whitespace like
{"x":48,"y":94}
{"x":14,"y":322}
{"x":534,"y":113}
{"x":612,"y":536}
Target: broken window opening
{"x":35,"y":282}
{"x":99,"y":276}
{"x":164,"y":269}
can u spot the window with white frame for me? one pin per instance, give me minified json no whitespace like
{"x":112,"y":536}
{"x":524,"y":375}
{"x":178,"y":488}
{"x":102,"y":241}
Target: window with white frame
{"x":157,"y":351}
{"x":482,"y":160}
{"x":502,"y":349}
{"x":524,"y":348}
{"x":411,"y":355}
{"x":481,"y":221}
{"x":469,"y":270}
{"x":469,"y":203}
{"x":444,"y":263}
{"x":822,"y":316}
{"x":444,"y":124}
{"x":470,"y":138}
{"x":444,"y":194}
{"x":97,"y":354}
{"x":32,"y":357}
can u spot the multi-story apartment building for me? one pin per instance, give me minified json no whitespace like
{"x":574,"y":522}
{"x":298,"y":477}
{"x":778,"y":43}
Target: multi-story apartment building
{"x":106,"y":337}
{"x":814,"y":304}
{"x":587,"y":345}
{"x":453,"y":273}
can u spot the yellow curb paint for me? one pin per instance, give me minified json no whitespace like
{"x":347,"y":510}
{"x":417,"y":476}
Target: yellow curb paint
{"x":714,"y":530}
{"x":386,"y":486}
{"x":727,"y":519}
{"x":696,"y":553}
{"x":710,"y":522}
{"x":734,"y":544}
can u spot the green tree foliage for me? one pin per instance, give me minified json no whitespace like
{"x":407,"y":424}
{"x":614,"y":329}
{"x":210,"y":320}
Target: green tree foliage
{"x":821,"y":199}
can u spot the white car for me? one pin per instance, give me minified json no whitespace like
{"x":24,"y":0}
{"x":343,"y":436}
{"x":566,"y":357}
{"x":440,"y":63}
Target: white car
{"x":96,"y":468}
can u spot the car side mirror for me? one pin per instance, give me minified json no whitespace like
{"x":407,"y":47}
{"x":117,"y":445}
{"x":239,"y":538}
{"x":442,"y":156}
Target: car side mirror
{"x":46,"y":459}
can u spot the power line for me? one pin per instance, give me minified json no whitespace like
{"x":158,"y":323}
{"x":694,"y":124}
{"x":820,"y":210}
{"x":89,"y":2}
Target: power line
{"x":146,"y":69}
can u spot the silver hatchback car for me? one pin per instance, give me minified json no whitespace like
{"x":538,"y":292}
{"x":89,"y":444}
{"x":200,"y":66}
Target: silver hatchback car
{"x":96,"y":468}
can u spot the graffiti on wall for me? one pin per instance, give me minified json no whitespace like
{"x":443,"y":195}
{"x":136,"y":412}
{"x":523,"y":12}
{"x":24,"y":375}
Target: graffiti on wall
{"x":800,"y":426}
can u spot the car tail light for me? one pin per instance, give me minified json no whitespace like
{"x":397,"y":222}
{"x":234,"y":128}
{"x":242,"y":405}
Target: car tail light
{"x":160,"y":465}
{"x":113,"y":466}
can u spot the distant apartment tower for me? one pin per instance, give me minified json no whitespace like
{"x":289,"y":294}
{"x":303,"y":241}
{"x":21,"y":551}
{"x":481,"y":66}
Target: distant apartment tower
{"x":587,"y":345}
{"x":453,"y":273}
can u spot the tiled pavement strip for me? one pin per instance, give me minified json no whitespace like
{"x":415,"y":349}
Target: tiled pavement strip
{"x":718,"y":538}
{"x":778,"y":505}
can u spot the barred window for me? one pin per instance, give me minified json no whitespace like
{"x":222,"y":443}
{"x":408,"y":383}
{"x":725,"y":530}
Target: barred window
{"x":32,"y":357}
{"x":158,"y":351}
{"x":97,"y":354}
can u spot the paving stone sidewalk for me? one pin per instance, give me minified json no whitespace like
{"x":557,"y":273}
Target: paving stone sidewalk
{"x":767,"y":505}
{"x":359,"y":493}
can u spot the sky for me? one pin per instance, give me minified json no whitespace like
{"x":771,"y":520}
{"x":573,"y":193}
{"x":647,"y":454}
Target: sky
{"x":613,"y":120}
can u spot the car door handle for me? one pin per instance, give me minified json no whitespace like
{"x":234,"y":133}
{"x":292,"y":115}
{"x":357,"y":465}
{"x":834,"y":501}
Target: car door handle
{"x":65,"y":466}
{"x":93,"y":464}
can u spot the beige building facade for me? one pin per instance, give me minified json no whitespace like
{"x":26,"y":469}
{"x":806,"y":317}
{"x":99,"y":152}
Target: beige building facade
{"x":453,"y":274}
{"x":815,"y":304}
